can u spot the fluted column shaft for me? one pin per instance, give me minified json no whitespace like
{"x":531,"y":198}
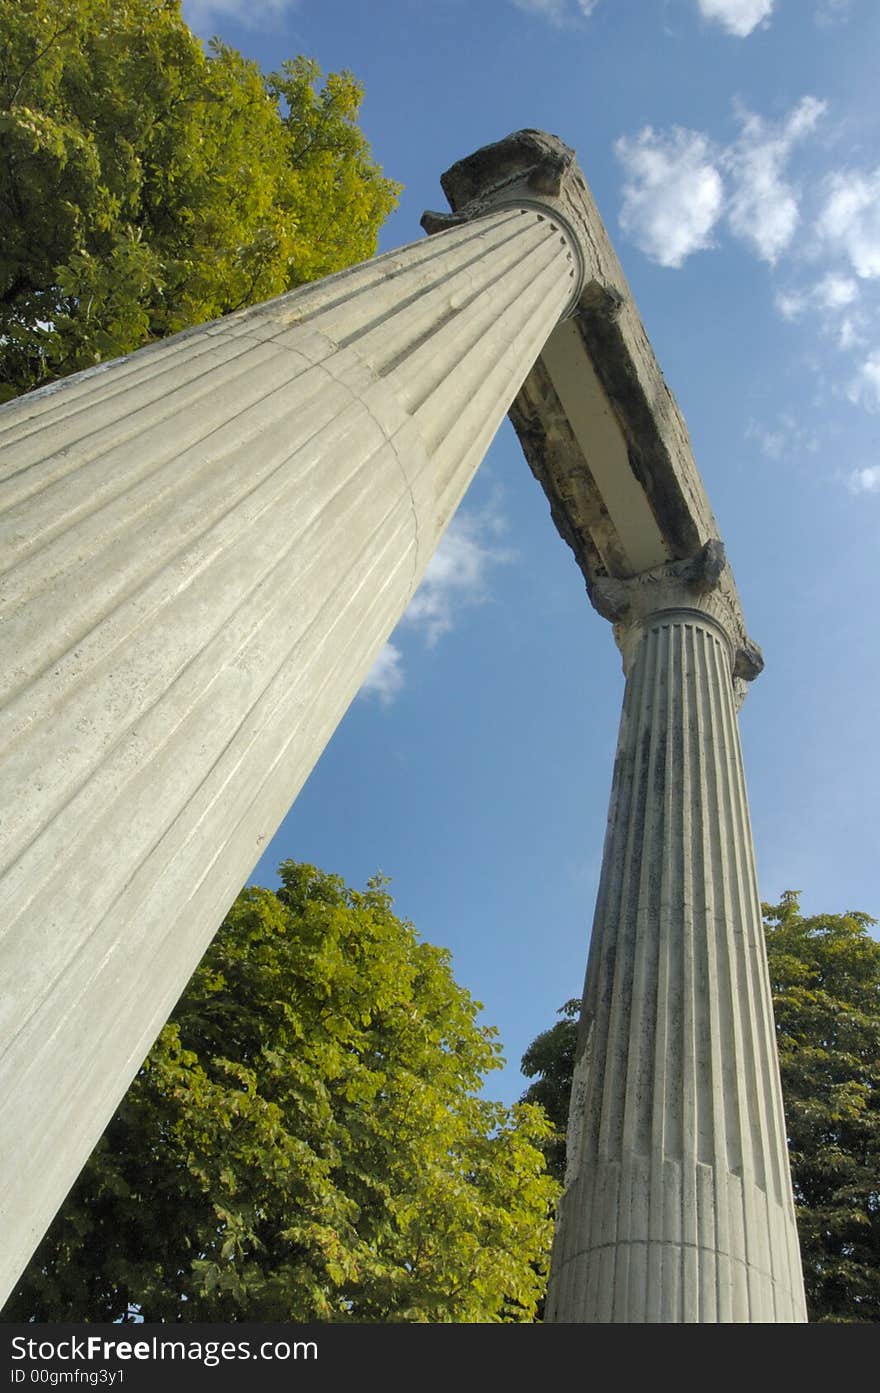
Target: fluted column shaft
{"x":204,"y":547}
{"x":678,"y":1202}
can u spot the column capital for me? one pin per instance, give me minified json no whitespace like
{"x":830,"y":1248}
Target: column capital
{"x":531,"y":170}
{"x":700,"y":585}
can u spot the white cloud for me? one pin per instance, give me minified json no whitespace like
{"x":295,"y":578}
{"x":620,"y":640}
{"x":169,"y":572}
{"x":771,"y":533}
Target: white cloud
{"x":456,"y":574}
{"x":837,"y":301}
{"x":865,"y":480}
{"x":763,"y":207}
{"x":849,"y":333}
{"x":791,"y":304}
{"x":785,"y":439}
{"x":738,"y":17}
{"x":771,"y":442}
{"x":554,"y":10}
{"x":385,"y":678}
{"x":834,"y":291}
{"x":672,"y":195}
{"x":200,"y":14}
{"x":558,"y":12}
{"x":849,"y":222}
{"x":830,"y":12}
{"x":456,"y":577}
{"x":864,"y":389}
{"x":674,"y":191}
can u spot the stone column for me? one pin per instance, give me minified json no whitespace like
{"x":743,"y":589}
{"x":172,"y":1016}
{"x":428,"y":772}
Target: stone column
{"x":678,"y":1203}
{"x":205,"y":545}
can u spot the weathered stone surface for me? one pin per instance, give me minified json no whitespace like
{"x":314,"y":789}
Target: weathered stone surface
{"x":678,"y":1201}
{"x":677,"y":584}
{"x":626,"y":437}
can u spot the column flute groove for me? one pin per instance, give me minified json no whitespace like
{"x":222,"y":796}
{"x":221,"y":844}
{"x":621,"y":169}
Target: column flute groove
{"x":206,"y":545}
{"x":675,"y":1209}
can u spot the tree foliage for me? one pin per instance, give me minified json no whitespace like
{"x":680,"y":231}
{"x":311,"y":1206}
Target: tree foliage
{"x":146,"y":186}
{"x":825,"y":982}
{"x":306,"y":1140}
{"x":825,"y":977}
{"x":549,"y":1060}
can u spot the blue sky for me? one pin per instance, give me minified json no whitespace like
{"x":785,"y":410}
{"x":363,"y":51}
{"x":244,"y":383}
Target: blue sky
{"x":732,"y":146}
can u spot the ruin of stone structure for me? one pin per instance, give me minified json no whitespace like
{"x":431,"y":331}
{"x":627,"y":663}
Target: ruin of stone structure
{"x":168,"y":686}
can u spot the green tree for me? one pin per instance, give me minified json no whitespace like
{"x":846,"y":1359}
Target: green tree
{"x":825,"y":976}
{"x":549,"y":1060}
{"x":146,"y":186}
{"x":825,"y":981}
{"x":306,"y":1140}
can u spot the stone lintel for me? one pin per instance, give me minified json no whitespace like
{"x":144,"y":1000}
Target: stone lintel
{"x":600,"y":429}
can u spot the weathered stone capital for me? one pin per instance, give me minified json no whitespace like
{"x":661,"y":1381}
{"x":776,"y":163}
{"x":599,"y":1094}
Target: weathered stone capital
{"x":530,"y":170}
{"x":699,"y":585}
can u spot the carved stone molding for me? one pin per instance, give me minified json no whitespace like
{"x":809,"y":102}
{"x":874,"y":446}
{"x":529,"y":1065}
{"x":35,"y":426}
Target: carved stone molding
{"x":530,"y":170}
{"x":695,"y":584}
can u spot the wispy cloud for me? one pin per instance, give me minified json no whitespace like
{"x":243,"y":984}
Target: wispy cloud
{"x":681,"y":191}
{"x":844,"y":238}
{"x":783,"y":439}
{"x":385,"y":678}
{"x":864,"y":388}
{"x":764,"y":205}
{"x":457,"y":577}
{"x":558,"y":12}
{"x":835,"y":297}
{"x":850,"y":332}
{"x":834,"y":292}
{"x":865,"y":480}
{"x":679,"y":184}
{"x":830,"y":12}
{"x":456,"y":574}
{"x":772,"y":442}
{"x":849,"y":221}
{"x":673,"y":193}
{"x":738,"y":17}
{"x":249,"y":13}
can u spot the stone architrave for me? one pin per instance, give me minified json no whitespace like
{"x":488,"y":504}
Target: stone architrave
{"x":678,"y":1203}
{"x":205,"y":545}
